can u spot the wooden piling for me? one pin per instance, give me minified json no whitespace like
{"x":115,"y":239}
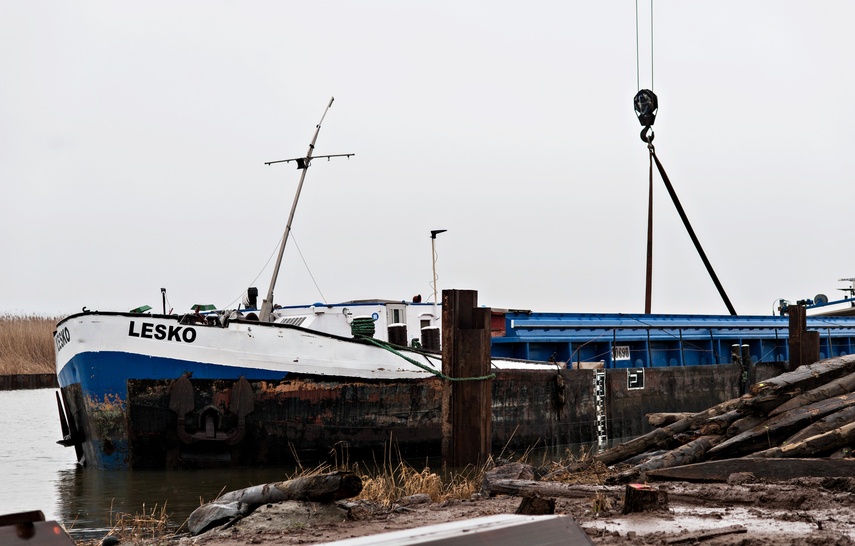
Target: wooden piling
{"x":466,"y":405}
{"x":803,"y":344}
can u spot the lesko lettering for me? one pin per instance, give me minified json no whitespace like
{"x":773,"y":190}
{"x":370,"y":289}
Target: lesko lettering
{"x":148,"y":330}
{"x":61,"y":338}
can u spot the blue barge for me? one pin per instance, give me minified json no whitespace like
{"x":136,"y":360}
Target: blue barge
{"x":641,"y":341}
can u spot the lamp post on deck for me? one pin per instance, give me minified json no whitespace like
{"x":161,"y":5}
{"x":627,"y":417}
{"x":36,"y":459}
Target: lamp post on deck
{"x":433,"y":234}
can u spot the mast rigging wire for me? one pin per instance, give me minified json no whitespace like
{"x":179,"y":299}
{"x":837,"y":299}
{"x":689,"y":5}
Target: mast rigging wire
{"x":308,"y":269}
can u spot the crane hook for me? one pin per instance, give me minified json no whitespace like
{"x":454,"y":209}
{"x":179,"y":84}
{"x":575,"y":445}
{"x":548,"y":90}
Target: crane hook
{"x":647,"y":134}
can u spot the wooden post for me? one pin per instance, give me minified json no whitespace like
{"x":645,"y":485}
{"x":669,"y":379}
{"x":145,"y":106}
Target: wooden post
{"x":803,"y":345}
{"x":466,"y":405}
{"x":749,"y":365}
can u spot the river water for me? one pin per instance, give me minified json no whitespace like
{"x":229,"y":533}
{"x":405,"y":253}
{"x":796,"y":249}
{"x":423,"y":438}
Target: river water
{"x":38,"y":474}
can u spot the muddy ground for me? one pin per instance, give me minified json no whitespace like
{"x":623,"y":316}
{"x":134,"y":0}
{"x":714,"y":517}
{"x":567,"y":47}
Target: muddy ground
{"x":807,"y":511}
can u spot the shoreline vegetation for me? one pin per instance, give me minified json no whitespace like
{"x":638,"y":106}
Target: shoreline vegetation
{"x":26,"y":345}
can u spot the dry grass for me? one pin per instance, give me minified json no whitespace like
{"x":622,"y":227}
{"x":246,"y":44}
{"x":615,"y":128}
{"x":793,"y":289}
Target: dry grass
{"x":150,"y":527}
{"x":394,"y":478}
{"x":26,"y":344}
{"x":392,"y":483}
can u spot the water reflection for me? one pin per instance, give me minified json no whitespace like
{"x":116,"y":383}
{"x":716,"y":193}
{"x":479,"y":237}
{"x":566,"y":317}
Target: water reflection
{"x":88,"y":500}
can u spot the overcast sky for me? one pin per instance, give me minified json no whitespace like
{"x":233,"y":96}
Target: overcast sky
{"x":133,"y":137}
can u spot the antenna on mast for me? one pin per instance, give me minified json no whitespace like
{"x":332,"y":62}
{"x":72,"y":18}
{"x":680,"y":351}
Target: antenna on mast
{"x":433,"y":234}
{"x":851,"y":289}
{"x":302,"y":164}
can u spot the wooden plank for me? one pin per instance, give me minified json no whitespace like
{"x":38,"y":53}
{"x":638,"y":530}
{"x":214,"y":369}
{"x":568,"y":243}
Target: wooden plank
{"x":497,"y":530}
{"x":779,"y":469}
{"x":697,"y":536}
{"x":38,"y":533}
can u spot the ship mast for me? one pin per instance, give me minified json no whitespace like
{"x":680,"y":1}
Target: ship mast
{"x":302,"y":164}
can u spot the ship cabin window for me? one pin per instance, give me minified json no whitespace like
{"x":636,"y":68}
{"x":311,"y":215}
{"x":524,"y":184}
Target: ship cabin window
{"x":396,"y":314}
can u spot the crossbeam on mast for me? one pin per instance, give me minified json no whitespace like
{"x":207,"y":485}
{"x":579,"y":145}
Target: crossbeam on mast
{"x":303,"y":164}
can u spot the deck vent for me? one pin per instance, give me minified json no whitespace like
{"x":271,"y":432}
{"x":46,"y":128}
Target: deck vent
{"x":292,"y":321}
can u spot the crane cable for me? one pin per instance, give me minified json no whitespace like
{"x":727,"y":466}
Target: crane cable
{"x":646,"y":107}
{"x":637,"y":54}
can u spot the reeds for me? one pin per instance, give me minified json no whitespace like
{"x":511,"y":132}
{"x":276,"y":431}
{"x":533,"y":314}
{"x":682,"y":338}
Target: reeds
{"x":150,"y":527}
{"x":394,"y":479}
{"x":26,"y":344}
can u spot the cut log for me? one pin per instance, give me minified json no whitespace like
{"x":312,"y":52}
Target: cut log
{"x":660,"y":437}
{"x":641,"y":497}
{"x":663,"y":419}
{"x":807,"y":377}
{"x":843,"y":385}
{"x":842,"y":453}
{"x":321,"y":488}
{"x":744,"y":423}
{"x":644,"y":457}
{"x":829,"y":422}
{"x":692,"y":452}
{"x":215,"y":514}
{"x":770,"y":469}
{"x":814,"y":446}
{"x":530,"y":488}
{"x":717,"y":426}
{"x":772,"y":432}
{"x":511,"y":471}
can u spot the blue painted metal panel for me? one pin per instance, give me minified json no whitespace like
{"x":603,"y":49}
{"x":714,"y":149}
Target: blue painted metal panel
{"x":106,"y":373}
{"x":661,"y":340}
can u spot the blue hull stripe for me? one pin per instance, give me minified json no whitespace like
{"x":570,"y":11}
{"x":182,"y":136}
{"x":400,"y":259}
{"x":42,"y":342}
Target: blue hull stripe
{"x":103,"y":376}
{"x":106,"y":373}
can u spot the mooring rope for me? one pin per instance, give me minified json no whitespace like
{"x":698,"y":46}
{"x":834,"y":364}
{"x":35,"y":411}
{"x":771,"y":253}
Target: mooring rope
{"x":388,"y":347}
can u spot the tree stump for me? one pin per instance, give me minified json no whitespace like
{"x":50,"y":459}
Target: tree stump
{"x":640,"y":497}
{"x":536,"y":506}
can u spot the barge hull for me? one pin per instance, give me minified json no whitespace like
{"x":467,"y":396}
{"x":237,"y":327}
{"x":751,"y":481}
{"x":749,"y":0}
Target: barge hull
{"x":310,"y":419}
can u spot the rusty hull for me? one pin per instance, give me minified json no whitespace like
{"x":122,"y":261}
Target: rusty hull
{"x":311,"y":418}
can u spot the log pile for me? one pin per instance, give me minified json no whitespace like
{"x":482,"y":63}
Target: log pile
{"x":806,"y":413}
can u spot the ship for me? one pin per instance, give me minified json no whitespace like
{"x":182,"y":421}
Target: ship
{"x":266,"y":384}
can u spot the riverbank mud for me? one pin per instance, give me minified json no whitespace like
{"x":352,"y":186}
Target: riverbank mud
{"x":807,"y":511}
